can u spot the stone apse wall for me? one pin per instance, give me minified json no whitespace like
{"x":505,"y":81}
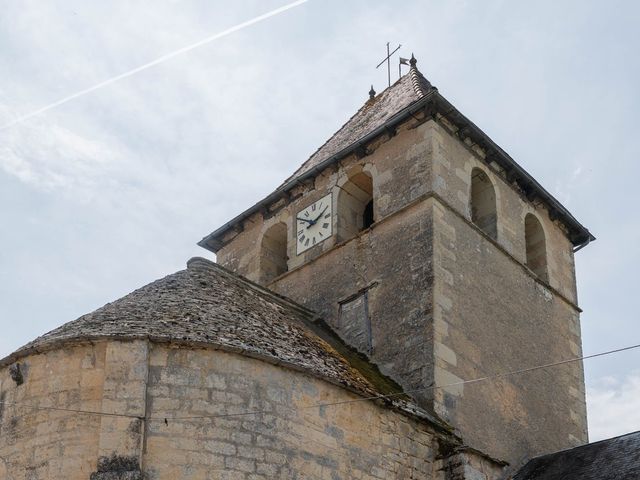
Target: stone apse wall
{"x":163,"y":392}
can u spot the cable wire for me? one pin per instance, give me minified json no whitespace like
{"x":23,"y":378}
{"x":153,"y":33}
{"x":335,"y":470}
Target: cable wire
{"x":423,"y":389}
{"x":158,"y":60}
{"x":71,"y":410}
{"x":342,"y":402}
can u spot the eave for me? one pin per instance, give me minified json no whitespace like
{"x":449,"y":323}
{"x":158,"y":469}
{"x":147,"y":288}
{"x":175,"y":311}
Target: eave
{"x":431,"y":104}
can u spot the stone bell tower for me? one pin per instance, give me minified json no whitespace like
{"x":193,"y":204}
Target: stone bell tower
{"x":438,"y":257}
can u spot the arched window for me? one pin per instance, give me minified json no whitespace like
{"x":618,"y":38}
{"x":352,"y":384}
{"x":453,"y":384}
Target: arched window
{"x":483,"y":203}
{"x":273,"y":252}
{"x":536,"y":246}
{"x":355,"y":206}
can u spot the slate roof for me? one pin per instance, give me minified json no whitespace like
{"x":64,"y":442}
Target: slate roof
{"x":373,"y":114}
{"x":411,"y":94}
{"x":612,"y":459}
{"x":208,"y":305}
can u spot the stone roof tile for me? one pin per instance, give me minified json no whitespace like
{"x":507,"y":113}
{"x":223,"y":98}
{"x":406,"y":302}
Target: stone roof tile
{"x":373,"y":114}
{"x":612,"y":459}
{"x":208,"y":305}
{"x":384,"y":112}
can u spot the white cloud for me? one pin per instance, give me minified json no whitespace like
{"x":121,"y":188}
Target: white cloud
{"x":614,"y":406}
{"x":53,"y":157}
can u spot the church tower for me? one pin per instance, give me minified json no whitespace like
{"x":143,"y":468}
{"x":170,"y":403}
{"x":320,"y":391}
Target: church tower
{"x":427,"y":248}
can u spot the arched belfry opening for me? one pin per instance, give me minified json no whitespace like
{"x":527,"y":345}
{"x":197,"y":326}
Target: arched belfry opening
{"x":536,"y":246}
{"x":273,"y":252}
{"x":355,"y":206}
{"x":483,"y":203}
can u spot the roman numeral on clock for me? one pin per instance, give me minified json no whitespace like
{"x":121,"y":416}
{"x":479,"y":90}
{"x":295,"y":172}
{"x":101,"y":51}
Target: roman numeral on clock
{"x":313,"y":224}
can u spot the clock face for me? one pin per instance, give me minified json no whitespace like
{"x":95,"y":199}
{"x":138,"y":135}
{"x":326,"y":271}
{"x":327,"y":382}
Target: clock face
{"x":313,"y":224}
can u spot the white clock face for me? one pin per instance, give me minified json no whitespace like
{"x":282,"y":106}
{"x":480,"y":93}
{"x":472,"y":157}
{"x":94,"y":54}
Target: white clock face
{"x":313,"y":224}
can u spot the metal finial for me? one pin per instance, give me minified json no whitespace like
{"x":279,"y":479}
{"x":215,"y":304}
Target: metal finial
{"x":413,"y":61}
{"x":372,"y":93}
{"x":387,"y":60}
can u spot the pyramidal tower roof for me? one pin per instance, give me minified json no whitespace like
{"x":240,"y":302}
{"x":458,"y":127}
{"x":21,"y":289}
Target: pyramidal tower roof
{"x":378,"y":110}
{"x":411,"y":95}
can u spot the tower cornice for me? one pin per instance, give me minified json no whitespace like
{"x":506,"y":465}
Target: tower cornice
{"x":432,"y":105}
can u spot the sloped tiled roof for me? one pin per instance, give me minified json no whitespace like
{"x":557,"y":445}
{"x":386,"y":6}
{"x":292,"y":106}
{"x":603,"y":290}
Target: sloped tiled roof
{"x":208,"y":305}
{"x":373,"y":114}
{"x":409,"y":95}
{"x":613,"y":459}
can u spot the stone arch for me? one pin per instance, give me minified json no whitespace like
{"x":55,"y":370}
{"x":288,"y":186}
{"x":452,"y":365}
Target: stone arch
{"x":355,"y":204}
{"x":482,"y":203}
{"x":273,"y":252}
{"x":536,"y":246}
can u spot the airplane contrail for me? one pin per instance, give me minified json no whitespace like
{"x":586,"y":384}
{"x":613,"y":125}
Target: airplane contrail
{"x":158,"y":60}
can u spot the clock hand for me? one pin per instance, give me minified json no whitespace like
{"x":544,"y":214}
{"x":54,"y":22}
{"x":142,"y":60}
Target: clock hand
{"x":321,"y":213}
{"x":310,"y":222}
{"x":315,"y":220}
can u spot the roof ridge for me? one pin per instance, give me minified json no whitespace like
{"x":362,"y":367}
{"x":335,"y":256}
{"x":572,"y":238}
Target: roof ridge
{"x":368,"y":103}
{"x":195,"y":262}
{"x":587,"y":444}
{"x":421,"y":85}
{"x":186,"y":314}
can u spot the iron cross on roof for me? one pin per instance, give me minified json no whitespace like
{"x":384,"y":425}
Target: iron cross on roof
{"x":388,"y":60}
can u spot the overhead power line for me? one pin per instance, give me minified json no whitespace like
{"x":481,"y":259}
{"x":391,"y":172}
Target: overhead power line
{"x":331,"y":404}
{"x":423,"y":389}
{"x":158,"y":60}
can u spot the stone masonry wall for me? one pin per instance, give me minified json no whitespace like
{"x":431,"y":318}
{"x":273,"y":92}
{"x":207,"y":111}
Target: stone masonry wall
{"x":445,"y":301}
{"x":398,"y":293}
{"x":452,"y":165}
{"x":349,"y":441}
{"x":189,"y":401}
{"x":400,"y":173}
{"x":47,"y":444}
{"x":491,"y":316}
{"x":124,"y":392}
{"x":391,"y":261}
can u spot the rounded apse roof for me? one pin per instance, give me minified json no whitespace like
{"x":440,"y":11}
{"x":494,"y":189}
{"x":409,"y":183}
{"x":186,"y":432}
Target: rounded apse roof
{"x":206,"y":305}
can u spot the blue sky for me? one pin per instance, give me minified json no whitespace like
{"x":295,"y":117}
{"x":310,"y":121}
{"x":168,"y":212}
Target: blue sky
{"x":113,"y":189}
